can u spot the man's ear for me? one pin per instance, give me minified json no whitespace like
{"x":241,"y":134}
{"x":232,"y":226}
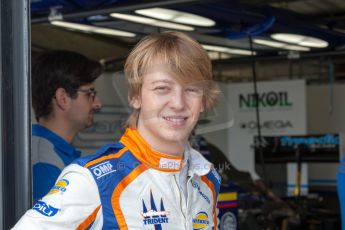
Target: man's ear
{"x":62,"y":98}
{"x":136,"y":102}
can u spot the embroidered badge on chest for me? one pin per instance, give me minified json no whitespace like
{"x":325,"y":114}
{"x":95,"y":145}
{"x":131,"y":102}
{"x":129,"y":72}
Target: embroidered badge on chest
{"x":201,"y":193}
{"x":200,"y":221}
{"x":153,"y":215}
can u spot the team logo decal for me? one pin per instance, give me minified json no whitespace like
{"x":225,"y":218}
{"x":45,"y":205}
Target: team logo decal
{"x":154,"y":216}
{"x":228,"y":221}
{"x":45,"y":209}
{"x":200,"y":221}
{"x":60,"y":186}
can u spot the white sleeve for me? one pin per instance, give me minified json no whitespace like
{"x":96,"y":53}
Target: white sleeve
{"x":68,"y":204}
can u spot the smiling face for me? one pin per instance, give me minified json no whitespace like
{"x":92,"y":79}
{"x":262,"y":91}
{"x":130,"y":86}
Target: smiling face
{"x":168,"y":109}
{"x":185,"y":59}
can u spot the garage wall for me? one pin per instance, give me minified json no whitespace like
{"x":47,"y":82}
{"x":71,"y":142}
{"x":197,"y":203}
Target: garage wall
{"x":325,"y":114}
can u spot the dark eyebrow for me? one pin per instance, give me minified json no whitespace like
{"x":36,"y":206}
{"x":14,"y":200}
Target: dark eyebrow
{"x":91,"y":89}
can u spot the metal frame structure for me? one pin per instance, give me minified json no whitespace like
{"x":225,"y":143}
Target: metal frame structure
{"x":15,"y":122}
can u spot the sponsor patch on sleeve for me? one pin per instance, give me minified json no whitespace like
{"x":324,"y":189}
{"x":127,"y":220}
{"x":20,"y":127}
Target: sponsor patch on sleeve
{"x":60,"y":186}
{"x":45,"y":209}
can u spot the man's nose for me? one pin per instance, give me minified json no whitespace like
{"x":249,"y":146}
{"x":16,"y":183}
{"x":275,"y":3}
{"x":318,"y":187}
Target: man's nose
{"x":177,"y":101}
{"x":97,"y":103}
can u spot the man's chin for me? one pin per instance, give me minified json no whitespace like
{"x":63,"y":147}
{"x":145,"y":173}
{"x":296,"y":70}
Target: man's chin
{"x":176,"y":136}
{"x":88,"y":125}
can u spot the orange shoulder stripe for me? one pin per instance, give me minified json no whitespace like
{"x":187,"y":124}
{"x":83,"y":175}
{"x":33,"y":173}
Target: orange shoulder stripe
{"x":86,"y":223}
{"x":115,"y":198}
{"x":110,"y":156}
{"x":211,"y":186}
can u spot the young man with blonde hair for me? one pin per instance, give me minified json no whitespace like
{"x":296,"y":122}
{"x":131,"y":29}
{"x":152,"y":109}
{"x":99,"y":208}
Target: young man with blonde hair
{"x":151,"y":178}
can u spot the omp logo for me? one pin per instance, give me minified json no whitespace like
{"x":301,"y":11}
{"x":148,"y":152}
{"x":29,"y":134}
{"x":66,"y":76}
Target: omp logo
{"x":60,"y":186}
{"x":195,"y":185}
{"x":154,"y":216}
{"x":200,"y":221}
{"x":102,"y":169}
{"x":45,"y":209}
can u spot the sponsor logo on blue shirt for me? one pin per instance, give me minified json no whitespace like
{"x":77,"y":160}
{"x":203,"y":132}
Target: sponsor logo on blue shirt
{"x":45,"y":209}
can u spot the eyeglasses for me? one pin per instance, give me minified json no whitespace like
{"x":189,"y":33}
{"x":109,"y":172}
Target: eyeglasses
{"x":90,"y":92}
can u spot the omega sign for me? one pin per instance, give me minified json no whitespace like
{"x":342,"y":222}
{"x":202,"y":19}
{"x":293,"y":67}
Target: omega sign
{"x":269,"y":125}
{"x":265,"y":100}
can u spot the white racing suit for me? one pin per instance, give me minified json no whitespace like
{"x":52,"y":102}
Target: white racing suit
{"x":127,"y":185}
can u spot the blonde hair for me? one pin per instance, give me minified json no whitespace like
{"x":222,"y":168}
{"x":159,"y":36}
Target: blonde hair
{"x":182,"y":55}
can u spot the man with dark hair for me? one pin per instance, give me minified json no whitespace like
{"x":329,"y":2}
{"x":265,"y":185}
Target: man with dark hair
{"x":64,"y":100}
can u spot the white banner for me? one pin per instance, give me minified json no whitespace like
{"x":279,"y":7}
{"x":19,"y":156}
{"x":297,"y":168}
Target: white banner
{"x":282,"y":106}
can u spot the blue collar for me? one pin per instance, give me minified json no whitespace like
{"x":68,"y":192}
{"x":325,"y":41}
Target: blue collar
{"x":58,"y":142}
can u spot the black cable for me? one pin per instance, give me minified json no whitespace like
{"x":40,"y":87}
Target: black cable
{"x":257,"y":111}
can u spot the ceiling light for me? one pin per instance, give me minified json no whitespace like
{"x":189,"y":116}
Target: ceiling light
{"x":92,"y":29}
{"x":300,"y":40}
{"x":151,"y":21}
{"x":176,"y":16}
{"x":268,"y":43}
{"x":213,"y":55}
{"x":296,"y":48}
{"x":280,"y":45}
{"x":224,"y":49}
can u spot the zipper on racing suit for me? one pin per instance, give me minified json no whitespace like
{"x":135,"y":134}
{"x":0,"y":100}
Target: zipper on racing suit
{"x":180,"y":196}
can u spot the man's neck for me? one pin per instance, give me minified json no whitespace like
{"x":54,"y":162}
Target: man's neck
{"x":60,"y":128}
{"x":171,"y":148}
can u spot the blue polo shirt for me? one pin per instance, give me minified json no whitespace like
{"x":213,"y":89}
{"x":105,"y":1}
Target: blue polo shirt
{"x":50,"y":154}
